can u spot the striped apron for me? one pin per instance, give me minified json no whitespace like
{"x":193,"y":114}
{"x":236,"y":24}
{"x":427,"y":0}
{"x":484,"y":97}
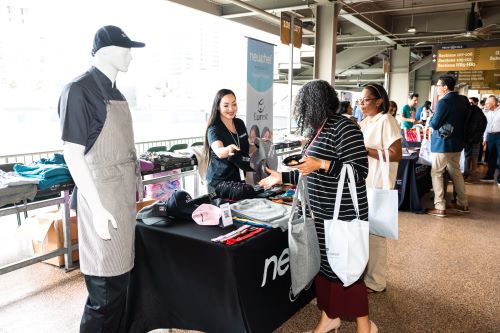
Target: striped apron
{"x":114,"y":168}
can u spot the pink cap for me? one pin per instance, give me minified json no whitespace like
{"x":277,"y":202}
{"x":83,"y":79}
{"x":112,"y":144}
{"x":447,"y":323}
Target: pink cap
{"x":207,"y":214}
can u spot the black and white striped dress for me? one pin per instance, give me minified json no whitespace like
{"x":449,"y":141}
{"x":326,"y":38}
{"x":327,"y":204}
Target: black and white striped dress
{"x":340,"y":142}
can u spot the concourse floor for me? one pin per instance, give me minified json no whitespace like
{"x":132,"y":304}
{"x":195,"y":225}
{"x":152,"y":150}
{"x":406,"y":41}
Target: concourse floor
{"x":443,"y":276}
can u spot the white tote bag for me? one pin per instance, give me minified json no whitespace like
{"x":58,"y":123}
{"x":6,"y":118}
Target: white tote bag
{"x":425,"y":154}
{"x":383,"y":202}
{"x":347,"y":241}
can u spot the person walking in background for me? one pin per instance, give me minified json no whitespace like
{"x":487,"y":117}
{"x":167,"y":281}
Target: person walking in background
{"x":407,"y":115}
{"x":380,"y":131}
{"x":356,"y":112}
{"x":492,"y":138}
{"x":477,"y":121}
{"x":425,"y":113}
{"x":333,"y":141}
{"x":448,"y":139}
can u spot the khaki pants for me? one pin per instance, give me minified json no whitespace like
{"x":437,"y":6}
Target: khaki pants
{"x":375,"y":270}
{"x":451,"y":162}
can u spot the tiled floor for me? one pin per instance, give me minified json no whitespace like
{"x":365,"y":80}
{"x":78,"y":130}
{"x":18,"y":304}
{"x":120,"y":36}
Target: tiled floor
{"x":443,"y":276}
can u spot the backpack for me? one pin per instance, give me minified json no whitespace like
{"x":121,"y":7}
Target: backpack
{"x":475,"y":124}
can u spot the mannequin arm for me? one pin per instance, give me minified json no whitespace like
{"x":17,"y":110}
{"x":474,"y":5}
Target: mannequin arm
{"x":74,"y":156}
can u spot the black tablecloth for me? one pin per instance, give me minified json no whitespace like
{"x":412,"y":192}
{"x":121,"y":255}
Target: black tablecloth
{"x":413,"y":181}
{"x":183,"y":280}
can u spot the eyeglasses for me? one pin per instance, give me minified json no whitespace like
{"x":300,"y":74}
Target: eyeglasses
{"x":364,"y":100}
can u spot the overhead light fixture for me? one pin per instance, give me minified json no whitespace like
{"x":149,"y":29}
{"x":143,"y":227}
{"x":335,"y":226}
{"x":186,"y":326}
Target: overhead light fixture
{"x":411,"y":29}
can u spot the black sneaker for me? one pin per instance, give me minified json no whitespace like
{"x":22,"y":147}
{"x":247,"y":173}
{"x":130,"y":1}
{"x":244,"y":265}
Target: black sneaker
{"x":487,"y":179}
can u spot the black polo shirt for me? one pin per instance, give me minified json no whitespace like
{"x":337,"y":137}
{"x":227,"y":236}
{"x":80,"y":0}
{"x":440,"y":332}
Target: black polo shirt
{"x":82,"y":110}
{"x":221,"y":169}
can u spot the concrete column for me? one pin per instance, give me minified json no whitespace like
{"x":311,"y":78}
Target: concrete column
{"x":423,"y":79}
{"x":399,"y":78}
{"x":326,"y":41}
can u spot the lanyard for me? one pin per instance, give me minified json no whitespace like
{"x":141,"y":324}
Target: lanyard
{"x":315,"y":137}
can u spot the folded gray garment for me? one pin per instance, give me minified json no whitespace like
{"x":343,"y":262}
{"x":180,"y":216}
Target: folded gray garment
{"x":15,"y":194}
{"x":263,"y":210}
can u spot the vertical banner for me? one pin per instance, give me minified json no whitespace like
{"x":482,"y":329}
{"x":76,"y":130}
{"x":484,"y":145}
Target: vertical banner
{"x":260,"y":61}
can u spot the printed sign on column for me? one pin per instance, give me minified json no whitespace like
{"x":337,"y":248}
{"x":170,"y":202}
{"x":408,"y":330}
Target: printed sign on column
{"x":259,"y":122}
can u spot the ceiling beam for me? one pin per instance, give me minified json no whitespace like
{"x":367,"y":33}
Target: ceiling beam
{"x":426,"y":60}
{"x":269,"y":10}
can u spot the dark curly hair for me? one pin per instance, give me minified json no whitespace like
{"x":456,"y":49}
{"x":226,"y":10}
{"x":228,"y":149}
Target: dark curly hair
{"x":315,"y":102}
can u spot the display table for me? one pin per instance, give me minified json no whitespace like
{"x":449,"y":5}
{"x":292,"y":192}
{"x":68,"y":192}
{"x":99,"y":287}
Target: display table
{"x":183,"y":280}
{"x":412,"y":182}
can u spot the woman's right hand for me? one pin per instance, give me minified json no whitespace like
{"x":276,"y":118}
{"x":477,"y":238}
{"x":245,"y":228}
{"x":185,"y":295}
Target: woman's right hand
{"x":231,"y":149}
{"x":271,"y":180}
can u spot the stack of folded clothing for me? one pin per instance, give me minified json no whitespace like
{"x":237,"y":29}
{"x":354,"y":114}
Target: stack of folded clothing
{"x":263,"y":210}
{"x":48,"y":172}
{"x":15,"y":188}
{"x":167,"y":160}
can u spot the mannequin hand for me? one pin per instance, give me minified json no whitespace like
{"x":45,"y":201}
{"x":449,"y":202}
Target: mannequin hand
{"x":231,"y":149}
{"x":309,"y":165}
{"x":271,"y":180}
{"x":101,"y":217}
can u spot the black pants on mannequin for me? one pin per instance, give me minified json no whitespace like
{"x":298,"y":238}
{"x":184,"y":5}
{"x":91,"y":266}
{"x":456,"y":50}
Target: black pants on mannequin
{"x":105,"y":307}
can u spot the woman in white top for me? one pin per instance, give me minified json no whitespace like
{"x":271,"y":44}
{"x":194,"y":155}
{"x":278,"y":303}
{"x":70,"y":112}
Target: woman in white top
{"x":380,"y":131}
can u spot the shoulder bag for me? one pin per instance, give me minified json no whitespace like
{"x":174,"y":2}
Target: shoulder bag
{"x":383,"y":202}
{"x":347,"y":241}
{"x":302,"y":242}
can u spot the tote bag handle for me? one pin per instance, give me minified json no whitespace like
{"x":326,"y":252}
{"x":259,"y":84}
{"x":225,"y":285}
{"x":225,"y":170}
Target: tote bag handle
{"x":383,"y":170}
{"x":347,"y":168}
{"x":302,"y":191}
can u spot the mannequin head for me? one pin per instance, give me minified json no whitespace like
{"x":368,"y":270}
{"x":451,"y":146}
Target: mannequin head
{"x":111,"y":50}
{"x":112,"y":59}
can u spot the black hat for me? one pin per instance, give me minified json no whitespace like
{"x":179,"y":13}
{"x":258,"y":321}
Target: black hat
{"x":110,"y":35}
{"x":155,"y":214}
{"x":180,"y":205}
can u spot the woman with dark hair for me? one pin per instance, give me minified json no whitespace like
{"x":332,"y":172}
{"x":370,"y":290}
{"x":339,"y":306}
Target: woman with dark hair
{"x":380,"y":131}
{"x":333,"y":141}
{"x":393,"y":108}
{"x":225,"y":136}
{"x":345,"y":109}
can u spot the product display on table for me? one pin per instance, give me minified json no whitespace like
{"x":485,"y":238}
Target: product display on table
{"x":155,"y":214}
{"x":207,"y":214}
{"x":262,"y":210}
{"x":48,"y":171}
{"x":232,"y":190}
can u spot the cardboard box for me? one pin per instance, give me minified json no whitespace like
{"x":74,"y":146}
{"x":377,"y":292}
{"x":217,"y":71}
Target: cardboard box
{"x":145,"y":202}
{"x":46,"y":233}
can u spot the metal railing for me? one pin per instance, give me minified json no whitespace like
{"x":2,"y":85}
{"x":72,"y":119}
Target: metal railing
{"x":141,"y":147}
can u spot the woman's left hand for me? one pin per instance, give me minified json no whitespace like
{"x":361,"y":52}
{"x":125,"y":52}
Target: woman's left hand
{"x":310,"y":165}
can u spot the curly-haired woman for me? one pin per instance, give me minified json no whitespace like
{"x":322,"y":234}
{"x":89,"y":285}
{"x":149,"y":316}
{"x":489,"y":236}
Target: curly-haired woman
{"x":334,"y":141}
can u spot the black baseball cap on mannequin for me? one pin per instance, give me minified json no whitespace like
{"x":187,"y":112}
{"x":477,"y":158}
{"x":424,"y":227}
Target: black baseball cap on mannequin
{"x":110,"y":35}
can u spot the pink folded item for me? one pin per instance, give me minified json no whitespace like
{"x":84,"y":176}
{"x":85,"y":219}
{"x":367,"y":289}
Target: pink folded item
{"x":207,"y":214}
{"x":146,"y":165}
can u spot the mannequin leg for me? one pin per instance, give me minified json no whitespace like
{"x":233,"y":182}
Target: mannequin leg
{"x":105,"y":304}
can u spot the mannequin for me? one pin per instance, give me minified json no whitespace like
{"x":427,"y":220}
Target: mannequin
{"x":109,"y":60}
{"x":100,"y":153}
